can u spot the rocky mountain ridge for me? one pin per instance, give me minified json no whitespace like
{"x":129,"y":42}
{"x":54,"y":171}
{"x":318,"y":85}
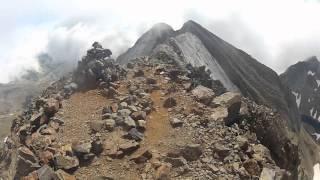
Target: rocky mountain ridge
{"x":151,"y":120}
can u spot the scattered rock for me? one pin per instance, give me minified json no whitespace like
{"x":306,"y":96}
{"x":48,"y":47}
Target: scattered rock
{"x":139,"y":115}
{"x":169,"y":102}
{"x":129,"y":147}
{"x":46,"y":173}
{"x":191,"y":152}
{"x":176,"y":162}
{"x":66,"y":162}
{"x":64,"y":176}
{"x":141,"y":125}
{"x":82,"y":148}
{"x":175,"y":122}
{"x":110,"y":124}
{"x":134,"y":134}
{"x":252,"y":167}
{"x":142,"y":157}
{"x":138,"y":73}
{"x":151,"y":81}
{"x":221,"y":150}
{"x":243,"y":142}
{"x":129,"y":123}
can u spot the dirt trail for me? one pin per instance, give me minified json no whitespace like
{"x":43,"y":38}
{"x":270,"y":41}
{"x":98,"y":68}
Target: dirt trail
{"x":158,"y":126}
{"x":81,"y":108}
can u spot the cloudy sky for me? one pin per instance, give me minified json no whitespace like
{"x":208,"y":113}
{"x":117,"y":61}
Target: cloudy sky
{"x":276,"y":32}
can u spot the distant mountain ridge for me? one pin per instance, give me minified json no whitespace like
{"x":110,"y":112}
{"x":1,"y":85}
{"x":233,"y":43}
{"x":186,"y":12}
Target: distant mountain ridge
{"x":303,"y":78}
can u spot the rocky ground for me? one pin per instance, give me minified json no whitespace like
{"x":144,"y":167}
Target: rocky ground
{"x":149,"y":120}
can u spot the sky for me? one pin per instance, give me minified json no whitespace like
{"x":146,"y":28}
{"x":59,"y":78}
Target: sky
{"x":278,"y":33}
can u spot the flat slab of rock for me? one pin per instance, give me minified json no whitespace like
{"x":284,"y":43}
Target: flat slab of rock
{"x":66,"y":162}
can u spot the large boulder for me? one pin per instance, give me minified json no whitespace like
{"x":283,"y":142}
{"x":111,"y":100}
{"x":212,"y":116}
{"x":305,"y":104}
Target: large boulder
{"x":203,"y":94}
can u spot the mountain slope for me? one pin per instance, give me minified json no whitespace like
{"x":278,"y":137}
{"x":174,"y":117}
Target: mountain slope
{"x":303,"y":79}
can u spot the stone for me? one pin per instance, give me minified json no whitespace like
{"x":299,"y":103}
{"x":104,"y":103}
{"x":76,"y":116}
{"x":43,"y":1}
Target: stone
{"x":233,"y":114}
{"x":134,"y":134}
{"x":227,"y":99}
{"x":129,"y":147}
{"x":139,"y":115}
{"x":141,"y":125}
{"x":82,"y":148}
{"x":97,"y":45}
{"x":124,"y":112}
{"x":203,"y":94}
{"x":129,"y":123}
{"x":25,"y":166}
{"x":142,"y":157}
{"x":169,"y":102}
{"x":267,"y":174}
{"x":191,"y":152}
{"x":107,"y":109}
{"x":130,"y":66}
{"x":45,"y":157}
{"x":97,"y":147}
{"x":51,"y":107}
{"x":46,"y":173}
{"x":123,"y":105}
{"x":97,"y":126}
{"x":213,"y":168}
{"x":252,"y":167}
{"x":110,"y":124}
{"x":221,"y":150}
{"x":64,"y":176}
{"x":219,"y":113}
{"x":66,"y":162}
{"x":151,"y":81}
{"x":175,"y":122}
{"x":27,"y":154}
{"x":163,"y":172}
{"x":261,"y":153}
{"x":138,"y":73}
{"x":243,"y":143}
{"x":111,"y":92}
{"x":175,"y":162}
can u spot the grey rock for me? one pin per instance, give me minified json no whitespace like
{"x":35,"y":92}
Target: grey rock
{"x":110,"y":124}
{"x":169,"y":102}
{"x":66,"y":162}
{"x":203,"y":94}
{"x":175,"y":122}
{"x":192,"y":152}
{"x":134,"y":134}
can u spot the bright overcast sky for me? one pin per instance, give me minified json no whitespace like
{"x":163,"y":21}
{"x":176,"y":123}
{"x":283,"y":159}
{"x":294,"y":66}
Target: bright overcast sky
{"x":276,"y":32}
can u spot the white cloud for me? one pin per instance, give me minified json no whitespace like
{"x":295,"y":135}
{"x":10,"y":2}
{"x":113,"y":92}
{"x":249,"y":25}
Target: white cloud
{"x":277,"y":32}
